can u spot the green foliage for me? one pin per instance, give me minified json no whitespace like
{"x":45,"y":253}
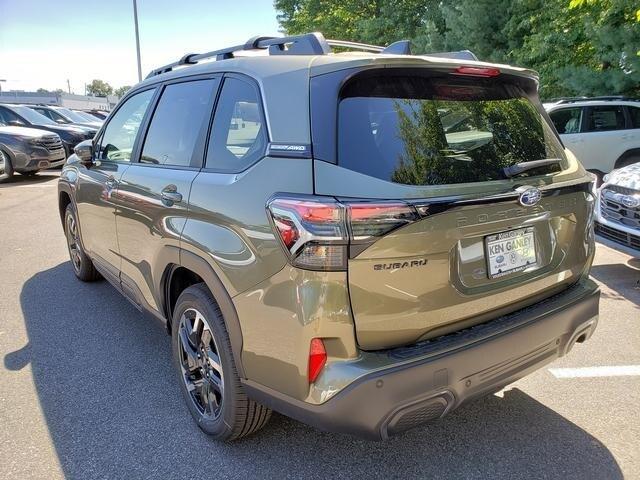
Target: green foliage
{"x":120,"y":91}
{"x":432,"y":157}
{"x":579,"y":47}
{"x":99,"y":88}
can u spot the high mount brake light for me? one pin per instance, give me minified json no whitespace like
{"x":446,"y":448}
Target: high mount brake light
{"x":477,"y":71}
{"x":316,"y":233}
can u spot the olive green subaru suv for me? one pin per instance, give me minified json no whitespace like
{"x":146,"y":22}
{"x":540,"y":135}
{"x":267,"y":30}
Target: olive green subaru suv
{"x":362,"y":240}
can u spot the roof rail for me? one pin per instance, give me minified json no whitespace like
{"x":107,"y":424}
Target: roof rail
{"x":599,"y":98}
{"x":306,"y":44}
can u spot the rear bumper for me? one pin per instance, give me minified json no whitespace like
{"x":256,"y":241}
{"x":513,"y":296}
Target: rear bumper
{"x":432,"y":379}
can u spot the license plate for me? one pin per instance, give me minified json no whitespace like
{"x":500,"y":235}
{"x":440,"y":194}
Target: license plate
{"x":510,"y":252}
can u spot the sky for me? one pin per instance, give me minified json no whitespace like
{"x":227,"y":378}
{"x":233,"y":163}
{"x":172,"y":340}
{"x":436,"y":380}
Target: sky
{"x":45,"y":42}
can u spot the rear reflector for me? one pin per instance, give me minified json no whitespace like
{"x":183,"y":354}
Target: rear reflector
{"x":317,"y":359}
{"x":477,"y":71}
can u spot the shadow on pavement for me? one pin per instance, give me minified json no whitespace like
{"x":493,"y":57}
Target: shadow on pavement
{"x":622,"y":278}
{"x":114,"y":410}
{"x":40,"y":177}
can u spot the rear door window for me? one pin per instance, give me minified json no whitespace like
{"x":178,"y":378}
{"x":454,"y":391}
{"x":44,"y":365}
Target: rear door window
{"x":432,"y":131}
{"x":567,"y":120}
{"x":605,"y":118}
{"x":183,"y":111}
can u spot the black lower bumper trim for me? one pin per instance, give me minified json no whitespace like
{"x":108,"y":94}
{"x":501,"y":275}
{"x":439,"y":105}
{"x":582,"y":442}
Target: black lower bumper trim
{"x":391,"y":400}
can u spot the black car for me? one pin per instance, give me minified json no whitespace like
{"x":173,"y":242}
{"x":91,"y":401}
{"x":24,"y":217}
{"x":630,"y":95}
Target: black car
{"x":28,"y":150}
{"x":22,"y":116}
{"x":65,"y":116}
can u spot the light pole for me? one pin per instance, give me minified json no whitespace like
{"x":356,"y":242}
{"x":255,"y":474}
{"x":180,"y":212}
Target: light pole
{"x":135,"y":21}
{"x":1,"y":80}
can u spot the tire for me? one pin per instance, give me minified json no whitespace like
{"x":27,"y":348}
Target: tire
{"x":227,"y":414}
{"x":82,"y":265}
{"x":6,"y":167}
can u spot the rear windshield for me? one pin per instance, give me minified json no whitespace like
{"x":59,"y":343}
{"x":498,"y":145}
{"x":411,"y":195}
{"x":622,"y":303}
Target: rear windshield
{"x":441,"y":130}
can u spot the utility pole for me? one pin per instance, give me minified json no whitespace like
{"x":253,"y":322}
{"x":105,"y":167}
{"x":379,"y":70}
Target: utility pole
{"x":1,"y":80}
{"x":135,"y":21}
{"x":69,"y":86}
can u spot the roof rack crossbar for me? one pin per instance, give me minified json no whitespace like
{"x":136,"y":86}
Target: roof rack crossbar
{"x":355,"y":46}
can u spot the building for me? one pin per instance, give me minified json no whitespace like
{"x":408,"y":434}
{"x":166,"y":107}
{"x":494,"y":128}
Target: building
{"x":69,"y":100}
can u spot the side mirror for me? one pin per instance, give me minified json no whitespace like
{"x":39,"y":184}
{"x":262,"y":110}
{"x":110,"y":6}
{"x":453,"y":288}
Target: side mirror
{"x":16,"y":123}
{"x":84,"y":151}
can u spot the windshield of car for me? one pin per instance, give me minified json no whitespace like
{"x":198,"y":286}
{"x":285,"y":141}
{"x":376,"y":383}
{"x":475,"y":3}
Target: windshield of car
{"x":86,"y":116}
{"x":32,"y":116}
{"x":432,"y":131}
{"x":71,"y":115}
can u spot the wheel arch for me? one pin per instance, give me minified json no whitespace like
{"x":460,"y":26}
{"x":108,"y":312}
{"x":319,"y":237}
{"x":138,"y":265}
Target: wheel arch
{"x":633,"y":152}
{"x":64,"y":199}
{"x":191,"y":269}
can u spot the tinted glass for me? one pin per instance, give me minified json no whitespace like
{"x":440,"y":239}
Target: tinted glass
{"x":567,"y":120}
{"x":120,"y":133}
{"x":605,"y":118}
{"x":179,"y":117}
{"x":635,"y":116}
{"x":71,"y":115}
{"x":429,"y":131}
{"x":32,"y":116}
{"x":237,"y":138}
{"x":8,"y":116}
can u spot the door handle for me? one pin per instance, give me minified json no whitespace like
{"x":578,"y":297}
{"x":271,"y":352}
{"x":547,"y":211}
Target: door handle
{"x":170,"y":194}
{"x":111,"y":182}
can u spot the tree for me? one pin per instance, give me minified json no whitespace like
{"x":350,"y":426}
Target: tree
{"x":579,"y":47}
{"x":119,"y":92}
{"x":42,"y":90}
{"x":99,"y":88}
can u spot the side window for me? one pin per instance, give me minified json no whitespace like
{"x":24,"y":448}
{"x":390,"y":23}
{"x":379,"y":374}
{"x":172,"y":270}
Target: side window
{"x":238,"y":136}
{"x":182,"y":111}
{"x":634,"y":112}
{"x":604,"y":118}
{"x":120,"y":133}
{"x":567,"y":120}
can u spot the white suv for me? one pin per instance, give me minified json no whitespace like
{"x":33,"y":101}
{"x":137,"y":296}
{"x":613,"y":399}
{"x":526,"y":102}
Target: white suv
{"x":602,"y":132}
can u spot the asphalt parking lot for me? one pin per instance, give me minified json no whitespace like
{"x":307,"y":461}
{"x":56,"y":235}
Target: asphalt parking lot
{"x":87,"y":390}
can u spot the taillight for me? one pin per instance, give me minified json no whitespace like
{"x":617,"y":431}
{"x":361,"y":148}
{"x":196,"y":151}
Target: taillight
{"x":312,"y":231}
{"x":317,"y":359}
{"x":317,"y":232}
{"x":477,"y":71}
{"x":369,"y":220}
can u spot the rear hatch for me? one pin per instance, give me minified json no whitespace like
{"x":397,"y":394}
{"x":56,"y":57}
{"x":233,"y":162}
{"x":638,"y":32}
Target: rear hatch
{"x":463,"y":204}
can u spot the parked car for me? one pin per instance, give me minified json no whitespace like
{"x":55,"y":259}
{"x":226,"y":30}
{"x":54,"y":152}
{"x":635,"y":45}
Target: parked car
{"x":602,"y":132}
{"x":90,"y":118}
{"x":314,"y":245}
{"x":100,"y":114}
{"x":28,"y":150}
{"x":65,"y":116}
{"x":22,"y":116}
{"x":618,"y":207}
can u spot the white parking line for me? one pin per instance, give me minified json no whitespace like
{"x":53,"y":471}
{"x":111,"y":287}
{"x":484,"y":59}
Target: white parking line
{"x":586,"y":372}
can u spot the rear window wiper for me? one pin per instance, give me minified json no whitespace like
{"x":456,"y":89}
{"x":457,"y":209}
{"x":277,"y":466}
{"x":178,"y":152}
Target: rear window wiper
{"x":522,"y":167}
